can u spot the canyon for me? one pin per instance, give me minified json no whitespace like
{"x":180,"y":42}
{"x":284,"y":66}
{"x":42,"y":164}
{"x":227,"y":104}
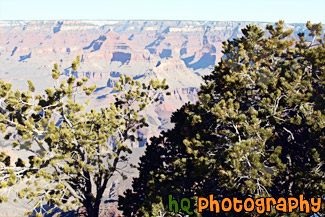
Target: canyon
{"x":180,"y":51}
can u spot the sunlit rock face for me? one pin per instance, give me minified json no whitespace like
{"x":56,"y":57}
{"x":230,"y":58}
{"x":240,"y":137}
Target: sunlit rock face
{"x":180,"y":51}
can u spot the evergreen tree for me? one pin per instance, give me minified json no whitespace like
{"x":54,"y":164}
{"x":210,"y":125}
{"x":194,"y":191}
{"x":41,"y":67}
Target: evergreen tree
{"x":258,"y":129}
{"x":73,"y":152}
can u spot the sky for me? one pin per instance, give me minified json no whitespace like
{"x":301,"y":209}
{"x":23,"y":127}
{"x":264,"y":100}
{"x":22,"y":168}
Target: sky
{"x":291,"y":11}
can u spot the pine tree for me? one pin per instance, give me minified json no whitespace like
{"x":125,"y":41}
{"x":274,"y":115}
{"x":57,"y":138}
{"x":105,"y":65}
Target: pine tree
{"x":73,"y":150}
{"x":258,"y":129}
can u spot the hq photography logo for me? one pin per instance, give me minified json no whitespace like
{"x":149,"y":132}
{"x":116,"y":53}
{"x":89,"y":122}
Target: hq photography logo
{"x":260,"y":205}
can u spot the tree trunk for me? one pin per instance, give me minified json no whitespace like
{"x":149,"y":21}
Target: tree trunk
{"x":92,"y":206}
{"x":92,"y":211}
{"x":91,"y":202}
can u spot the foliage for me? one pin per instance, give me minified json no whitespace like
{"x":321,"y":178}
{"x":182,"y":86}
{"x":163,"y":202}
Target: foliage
{"x":73,"y":150}
{"x":258,"y":129}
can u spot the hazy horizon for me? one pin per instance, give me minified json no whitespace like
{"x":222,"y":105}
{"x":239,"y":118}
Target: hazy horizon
{"x":291,"y":11}
{"x":154,"y":20}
